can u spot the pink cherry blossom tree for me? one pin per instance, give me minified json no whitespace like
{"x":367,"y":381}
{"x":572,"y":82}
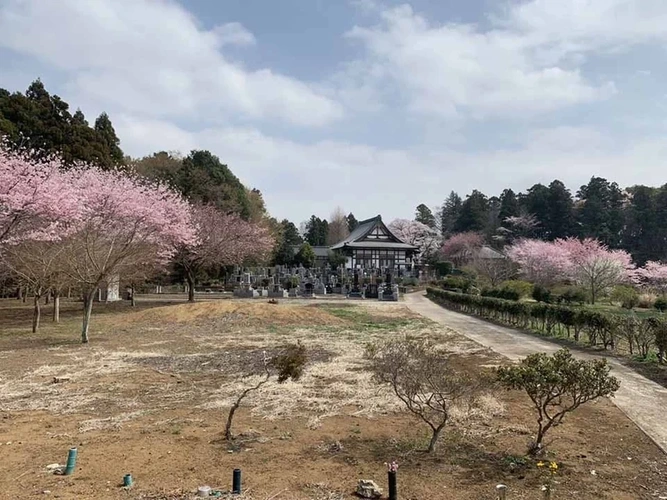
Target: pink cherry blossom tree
{"x":462,"y":247}
{"x":222,"y":240}
{"x":540,"y":262}
{"x":594,"y":266}
{"x":653,"y":276}
{"x":123,"y":222}
{"x":37,"y":198}
{"x":417,"y":234}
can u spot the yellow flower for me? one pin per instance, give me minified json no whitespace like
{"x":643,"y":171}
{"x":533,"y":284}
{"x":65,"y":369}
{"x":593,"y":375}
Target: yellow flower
{"x":553,"y":465}
{"x":540,"y":464}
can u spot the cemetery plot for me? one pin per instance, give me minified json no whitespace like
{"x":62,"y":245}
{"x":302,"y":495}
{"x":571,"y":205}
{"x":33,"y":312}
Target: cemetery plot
{"x":150,"y":397}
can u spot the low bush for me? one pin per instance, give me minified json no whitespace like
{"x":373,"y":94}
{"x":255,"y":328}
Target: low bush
{"x":523,"y":288}
{"x":599,"y":328}
{"x":456,"y":283}
{"x":501,"y":293}
{"x":570,"y":295}
{"x":625,"y":296}
{"x":661,"y":303}
{"x":444,"y":268}
{"x":541,"y":294}
{"x":646,"y":300}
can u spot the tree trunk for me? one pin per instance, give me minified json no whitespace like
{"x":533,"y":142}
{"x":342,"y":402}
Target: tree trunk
{"x":47,"y":297}
{"x":37,"y":313}
{"x":19,"y":293}
{"x":434,"y":439}
{"x":69,"y":292}
{"x":25,"y":295}
{"x":56,"y":306}
{"x":87,"y":311}
{"x":134,"y":301}
{"x":191,"y":287}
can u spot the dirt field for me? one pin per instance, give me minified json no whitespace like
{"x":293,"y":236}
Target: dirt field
{"x":149,"y":396}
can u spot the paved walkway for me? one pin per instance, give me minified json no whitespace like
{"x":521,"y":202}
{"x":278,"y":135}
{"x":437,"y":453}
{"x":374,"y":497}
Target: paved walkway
{"x":642,"y":400}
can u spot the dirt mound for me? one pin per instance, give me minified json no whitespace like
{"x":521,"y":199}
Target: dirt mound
{"x":238,"y":311}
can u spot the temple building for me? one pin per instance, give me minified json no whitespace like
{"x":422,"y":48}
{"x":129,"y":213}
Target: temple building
{"x":373,"y":246}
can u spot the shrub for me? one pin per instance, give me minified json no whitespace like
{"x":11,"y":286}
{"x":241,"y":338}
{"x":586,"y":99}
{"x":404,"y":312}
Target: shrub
{"x":523,"y":288}
{"x":501,"y":293}
{"x":557,"y":385}
{"x":288,"y":364}
{"x":422,"y":377}
{"x":626,"y":296}
{"x":444,"y":268}
{"x":570,"y":295}
{"x":646,"y":300}
{"x":541,"y":294}
{"x":659,"y":329}
{"x":661,"y":303}
{"x":456,"y":283}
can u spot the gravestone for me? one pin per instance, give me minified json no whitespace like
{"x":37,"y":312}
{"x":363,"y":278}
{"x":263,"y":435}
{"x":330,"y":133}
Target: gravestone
{"x":355,"y":292}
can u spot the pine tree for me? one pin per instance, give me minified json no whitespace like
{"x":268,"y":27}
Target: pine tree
{"x":509,"y":205}
{"x":104,"y":127}
{"x":474,"y":213}
{"x":449,"y":213}
{"x":560,"y":216}
{"x":424,"y":215}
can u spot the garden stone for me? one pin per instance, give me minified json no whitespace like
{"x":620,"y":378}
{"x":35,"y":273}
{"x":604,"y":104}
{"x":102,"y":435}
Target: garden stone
{"x":368,"y":489}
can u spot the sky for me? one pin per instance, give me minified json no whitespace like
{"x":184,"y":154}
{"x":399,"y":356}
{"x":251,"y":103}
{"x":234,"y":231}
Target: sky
{"x":374,"y":106}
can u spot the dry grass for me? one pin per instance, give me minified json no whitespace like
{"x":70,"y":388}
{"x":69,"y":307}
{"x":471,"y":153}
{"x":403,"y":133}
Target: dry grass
{"x":236,"y":312}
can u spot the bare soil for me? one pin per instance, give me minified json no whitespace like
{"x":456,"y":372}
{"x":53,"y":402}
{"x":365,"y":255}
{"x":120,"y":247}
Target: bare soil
{"x":149,"y":396}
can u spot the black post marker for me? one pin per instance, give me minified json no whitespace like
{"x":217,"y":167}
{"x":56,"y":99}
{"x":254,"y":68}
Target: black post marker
{"x":236,"y":482}
{"x":393,"y":491}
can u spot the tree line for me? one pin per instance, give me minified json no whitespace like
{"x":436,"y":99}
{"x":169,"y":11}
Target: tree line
{"x":632,"y":219}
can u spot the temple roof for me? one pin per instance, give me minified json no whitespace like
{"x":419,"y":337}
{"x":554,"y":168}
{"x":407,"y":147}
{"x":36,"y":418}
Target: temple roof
{"x":372,"y":233}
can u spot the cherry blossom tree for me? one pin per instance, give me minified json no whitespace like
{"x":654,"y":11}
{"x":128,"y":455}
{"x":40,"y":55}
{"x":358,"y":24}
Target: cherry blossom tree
{"x":37,"y":265}
{"x":653,"y":275}
{"x":222,"y":240}
{"x":593,"y":265}
{"x":587,"y":262}
{"x":417,"y":234}
{"x":123,"y":222}
{"x":37,"y":198}
{"x":461,"y":247}
{"x":540,"y":262}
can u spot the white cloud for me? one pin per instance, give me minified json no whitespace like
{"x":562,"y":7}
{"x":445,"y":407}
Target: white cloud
{"x":234,"y":34}
{"x":299,"y":179}
{"x":459,"y":69}
{"x":152,"y":56}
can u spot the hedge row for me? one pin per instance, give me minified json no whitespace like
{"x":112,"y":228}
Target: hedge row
{"x":640,"y":336}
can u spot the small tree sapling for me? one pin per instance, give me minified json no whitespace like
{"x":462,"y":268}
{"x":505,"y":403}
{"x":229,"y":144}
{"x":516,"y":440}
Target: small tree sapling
{"x":423,"y":378}
{"x":557,"y":385}
{"x":288,"y":364}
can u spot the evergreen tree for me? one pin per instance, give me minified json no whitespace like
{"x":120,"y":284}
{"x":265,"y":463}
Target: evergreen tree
{"x":204,"y":179}
{"x":601,"y":211}
{"x":316,"y":231}
{"x":536,"y":203}
{"x":449,"y":213}
{"x":509,"y":205}
{"x":42,"y":123}
{"x":352,"y":222}
{"x":474,"y":213}
{"x":289,"y":239}
{"x":424,"y":215}
{"x":559,"y":221}
{"x":106,"y":131}
{"x":641,"y":234}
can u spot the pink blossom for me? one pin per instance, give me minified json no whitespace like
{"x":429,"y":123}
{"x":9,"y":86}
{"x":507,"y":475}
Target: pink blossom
{"x":461,"y":247}
{"x":653,"y":275}
{"x":38,"y":200}
{"x":222,"y":240}
{"x":540,"y":262}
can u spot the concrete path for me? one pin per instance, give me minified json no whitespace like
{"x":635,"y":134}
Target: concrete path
{"x":642,"y":400}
